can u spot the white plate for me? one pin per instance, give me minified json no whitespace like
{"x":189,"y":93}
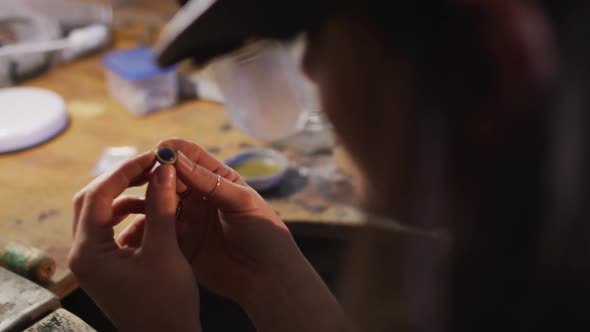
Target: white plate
{"x":29,"y":116}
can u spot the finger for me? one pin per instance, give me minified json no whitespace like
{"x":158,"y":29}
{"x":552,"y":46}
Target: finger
{"x":161,"y":202}
{"x":143,"y":179}
{"x":105,"y":189}
{"x":193,"y":231}
{"x":132,"y":235}
{"x":126,"y":205}
{"x":78,"y":202}
{"x":226,"y":195}
{"x":97,"y":212}
{"x":201,"y":157}
{"x":181,"y":188}
{"x":141,"y":166}
{"x":122,"y":207}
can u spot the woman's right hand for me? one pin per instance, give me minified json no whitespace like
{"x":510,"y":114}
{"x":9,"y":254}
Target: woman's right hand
{"x":233,"y":238}
{"x":239,"y":248}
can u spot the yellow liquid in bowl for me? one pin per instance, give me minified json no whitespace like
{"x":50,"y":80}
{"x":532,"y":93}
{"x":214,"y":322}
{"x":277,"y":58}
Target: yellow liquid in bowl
{"x":256,"y":168}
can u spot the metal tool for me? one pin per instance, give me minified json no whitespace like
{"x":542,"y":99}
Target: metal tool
{"x":22,"y":302}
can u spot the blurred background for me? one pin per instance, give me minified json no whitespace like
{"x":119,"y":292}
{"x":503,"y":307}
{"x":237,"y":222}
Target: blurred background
{"x":80,"y":92}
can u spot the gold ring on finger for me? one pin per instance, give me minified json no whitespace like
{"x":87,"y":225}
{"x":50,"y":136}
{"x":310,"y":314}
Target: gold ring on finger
{"x":212,"y":191}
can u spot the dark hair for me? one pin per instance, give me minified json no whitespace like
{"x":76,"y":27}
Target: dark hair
{"x":517,"y":173}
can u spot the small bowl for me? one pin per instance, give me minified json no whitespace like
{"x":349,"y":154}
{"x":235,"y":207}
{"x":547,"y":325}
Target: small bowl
{"x":262,"y":183}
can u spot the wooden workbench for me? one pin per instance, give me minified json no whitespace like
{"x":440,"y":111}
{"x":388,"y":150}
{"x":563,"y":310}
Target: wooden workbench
{"x":37,"y":185}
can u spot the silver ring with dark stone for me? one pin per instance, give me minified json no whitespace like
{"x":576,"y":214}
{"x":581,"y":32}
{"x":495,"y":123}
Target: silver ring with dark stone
{"x":166,"y":155}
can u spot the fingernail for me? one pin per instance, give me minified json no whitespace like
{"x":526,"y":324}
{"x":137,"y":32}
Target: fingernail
{"x":165,"y":176}
{"x":183,"y":163}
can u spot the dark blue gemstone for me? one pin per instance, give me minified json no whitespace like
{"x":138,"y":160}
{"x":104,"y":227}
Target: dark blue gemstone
{"x":166,"y":155}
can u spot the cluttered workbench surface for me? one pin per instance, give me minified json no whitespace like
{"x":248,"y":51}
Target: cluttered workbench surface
{"x":37,"y":184}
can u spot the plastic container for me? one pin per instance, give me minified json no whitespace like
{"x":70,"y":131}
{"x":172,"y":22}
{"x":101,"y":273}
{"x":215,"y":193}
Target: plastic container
{"x":138,"y":83}
{"x":28,"y":27}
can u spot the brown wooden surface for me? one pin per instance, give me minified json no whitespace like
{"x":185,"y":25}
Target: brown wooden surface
{"x":37,"y":184}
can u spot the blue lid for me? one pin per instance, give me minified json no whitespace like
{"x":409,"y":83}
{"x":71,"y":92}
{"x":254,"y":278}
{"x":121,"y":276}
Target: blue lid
{"x":134,"y":64}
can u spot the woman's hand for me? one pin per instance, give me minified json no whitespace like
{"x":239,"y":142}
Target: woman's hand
{"x":147,"y":287}
{"x":233,"y":239}
{"x":238,"y":247}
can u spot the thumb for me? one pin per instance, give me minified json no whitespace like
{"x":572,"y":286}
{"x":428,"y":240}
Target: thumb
{"x":161,"y":202}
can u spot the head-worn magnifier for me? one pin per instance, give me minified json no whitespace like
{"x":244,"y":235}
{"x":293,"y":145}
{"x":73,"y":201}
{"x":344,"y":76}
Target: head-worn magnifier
{"x":205,"y":29}
{"x":265,"y":92}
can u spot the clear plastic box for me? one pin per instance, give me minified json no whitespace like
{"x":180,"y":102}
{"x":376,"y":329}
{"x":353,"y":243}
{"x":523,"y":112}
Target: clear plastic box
{"x":138,"y":83}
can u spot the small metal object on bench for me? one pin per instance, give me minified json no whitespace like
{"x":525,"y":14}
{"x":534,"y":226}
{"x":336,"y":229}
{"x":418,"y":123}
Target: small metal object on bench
{"x":22,"y":302}
{"x":61,"y":321}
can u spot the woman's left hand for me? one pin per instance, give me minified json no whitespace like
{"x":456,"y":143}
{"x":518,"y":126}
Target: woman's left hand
{"x":145,"y":288}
